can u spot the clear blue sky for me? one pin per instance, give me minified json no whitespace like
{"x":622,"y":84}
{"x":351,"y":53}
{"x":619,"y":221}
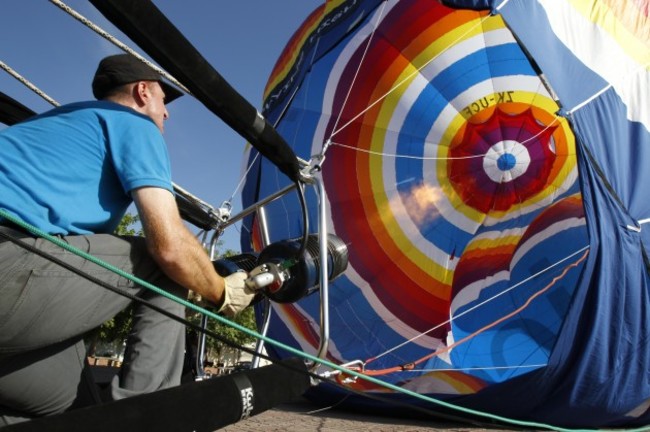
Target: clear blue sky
{"x":242,"y":39}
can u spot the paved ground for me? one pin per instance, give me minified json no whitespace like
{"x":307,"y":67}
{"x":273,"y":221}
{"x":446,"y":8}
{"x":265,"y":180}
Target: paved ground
{"x":302,"y":416}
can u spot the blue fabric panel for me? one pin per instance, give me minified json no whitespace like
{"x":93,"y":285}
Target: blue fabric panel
{"x":331,"y":30}
{"x":603,"y":357}
{"x":621,"y":149}
{"x":570,"y":79}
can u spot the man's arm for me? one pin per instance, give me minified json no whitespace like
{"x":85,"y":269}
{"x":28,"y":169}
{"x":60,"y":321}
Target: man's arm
{"x":176,"y":250}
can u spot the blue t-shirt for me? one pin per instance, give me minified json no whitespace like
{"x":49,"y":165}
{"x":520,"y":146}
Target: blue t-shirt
{"x":71,"y":169}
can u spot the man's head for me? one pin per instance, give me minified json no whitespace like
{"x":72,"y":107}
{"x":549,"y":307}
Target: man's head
{"x":126,"y":80}
{"x":117,"y":70}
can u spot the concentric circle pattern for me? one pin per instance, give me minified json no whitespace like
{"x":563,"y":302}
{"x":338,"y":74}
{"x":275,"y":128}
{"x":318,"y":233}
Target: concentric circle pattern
{"x":502,"y":162}
{"x":444,"y":147}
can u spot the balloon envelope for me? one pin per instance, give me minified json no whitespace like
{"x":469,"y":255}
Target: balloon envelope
{"x":484,"y":163}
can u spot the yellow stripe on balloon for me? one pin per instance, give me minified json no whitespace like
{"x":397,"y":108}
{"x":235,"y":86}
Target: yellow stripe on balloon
{"x":425,"y":270}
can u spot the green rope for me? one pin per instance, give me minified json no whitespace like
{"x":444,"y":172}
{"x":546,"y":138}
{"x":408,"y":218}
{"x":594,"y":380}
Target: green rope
{"x":108,"y":266}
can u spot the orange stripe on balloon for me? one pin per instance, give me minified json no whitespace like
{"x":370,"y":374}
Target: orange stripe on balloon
{"x":291,"y":51}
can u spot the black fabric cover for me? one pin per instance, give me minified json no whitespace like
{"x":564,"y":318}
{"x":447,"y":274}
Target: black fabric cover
{"x":197,"y":406}
{"x":12,"y":111}
{"x":194,"y":213}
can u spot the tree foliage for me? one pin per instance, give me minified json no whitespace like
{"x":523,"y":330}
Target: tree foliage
{"x":126,"y":226}
{"x":217,"y":347}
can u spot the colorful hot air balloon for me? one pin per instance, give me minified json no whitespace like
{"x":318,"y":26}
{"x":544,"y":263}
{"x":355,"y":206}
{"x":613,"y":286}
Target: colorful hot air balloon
{"x":486,"y":162}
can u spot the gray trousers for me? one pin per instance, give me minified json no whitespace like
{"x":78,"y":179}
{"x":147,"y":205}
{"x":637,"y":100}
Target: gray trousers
{"x":45,"y":311}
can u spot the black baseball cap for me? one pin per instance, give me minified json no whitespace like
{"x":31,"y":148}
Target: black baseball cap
{"x":119,"y":69}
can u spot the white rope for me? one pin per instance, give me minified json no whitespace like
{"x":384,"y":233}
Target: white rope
{"x":502,"y":4}
{"x":394,"y":155}
{"x":589,"y":99}
{"x":103,"y":33}
{"x":398,"y":156}
{"x":242,"y":180}
{"x":639,"y":222}
{"x":379,"y":16}
{"x":28,"y":84}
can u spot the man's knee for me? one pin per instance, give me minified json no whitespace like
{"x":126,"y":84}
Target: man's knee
{"x":41,"y":382}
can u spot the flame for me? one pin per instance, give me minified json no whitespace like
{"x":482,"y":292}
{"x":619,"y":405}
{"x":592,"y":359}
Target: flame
{"x":421,"y":201}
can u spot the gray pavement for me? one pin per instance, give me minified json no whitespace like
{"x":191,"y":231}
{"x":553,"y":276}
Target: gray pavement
{"x":302,"y":416}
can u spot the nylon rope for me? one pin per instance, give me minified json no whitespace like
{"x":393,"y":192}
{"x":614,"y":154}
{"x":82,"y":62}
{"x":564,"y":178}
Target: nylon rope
{"x":103,"y":33}
{"x":27,"y":83}
{"x":502,"y":4}
{"x":324,"y":362}
{"x":493,"y":368}
{"x":242,"y":179}
{"x":379,"y":17}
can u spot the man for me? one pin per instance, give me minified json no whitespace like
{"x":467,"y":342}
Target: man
{"x":72,"y":172}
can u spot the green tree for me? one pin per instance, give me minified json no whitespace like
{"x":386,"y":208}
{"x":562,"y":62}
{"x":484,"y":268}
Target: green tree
{"x":126,"y":226}
{"x":215,"y":348}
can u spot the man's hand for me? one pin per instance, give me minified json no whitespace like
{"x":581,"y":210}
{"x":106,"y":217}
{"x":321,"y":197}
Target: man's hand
{"x":236,"y":294}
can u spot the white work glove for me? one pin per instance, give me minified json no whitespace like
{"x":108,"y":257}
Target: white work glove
{"x":236,"y":294}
